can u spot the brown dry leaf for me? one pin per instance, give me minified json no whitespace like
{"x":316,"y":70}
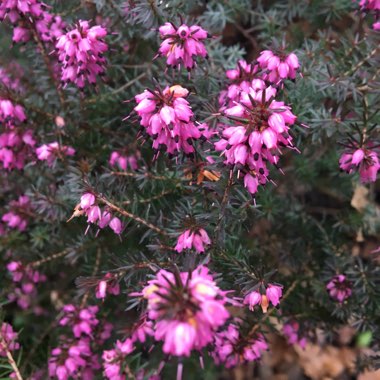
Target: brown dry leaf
{"x":370,"y":375}
{"x":360,"y":200}
{"x":320,"y":363}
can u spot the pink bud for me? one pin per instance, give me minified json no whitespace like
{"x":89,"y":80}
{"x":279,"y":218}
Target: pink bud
{"x":358,"y":156}
{"x":87,"y":200}
{"x":116,"y":225}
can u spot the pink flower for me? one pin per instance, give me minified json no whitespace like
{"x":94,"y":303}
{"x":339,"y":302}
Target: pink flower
{"x":291,"y":332}
{"x":125,"y":161}
{"x":273,"y":293}
{"x":370,"y":4}
{"x":15,"y":147}
{"x":73,"y":358}
{"x":115,"y":225}
{"x":339,"y":288}
{"x":10,"y":338}
{"x":113,"y":359}
{"x":95,"y":215}
{"x":279,"y":67}
{"x":166,"y":116}
{"x":87,"y":200}
{"x":82,"y":321}
{"x":196,"y":240}
{"x":233,"y":348}
{"x":180,"y":45}
{"x":365,"y":161}
{"x":49,"y":152}
{"x":185,"y":311}
{"x":81,"y":54}
{"x":108,"y":284}
{"x":105,"y":219}
{"x":18,"y":215}
{"x":260,"y":127}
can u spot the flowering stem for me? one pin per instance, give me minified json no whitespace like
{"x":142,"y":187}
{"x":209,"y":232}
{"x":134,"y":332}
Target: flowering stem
{"x":11,"y":361}
{"x":37,"y":263}
{"x":271,"y":311}
{"x":130,"y":215}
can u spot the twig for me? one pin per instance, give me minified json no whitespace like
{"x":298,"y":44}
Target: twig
{"x":362,"y":62}
{"x":118,"y":90}
{"x":148,"y":200}
{"x":148,"y":175}
{"x":54,"y":256}
{"x":130,"y":215}
{"x":11,"y":361}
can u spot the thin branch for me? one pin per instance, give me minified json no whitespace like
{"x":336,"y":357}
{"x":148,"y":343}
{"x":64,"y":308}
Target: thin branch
{"x":11,"y":361}
{"x":117,"y":91}
{"x":52,"y":257}
{"x":148,"y":200}
{"x":147,"y":175}
{"x":130,"y":215}
{"x":362,"y":62}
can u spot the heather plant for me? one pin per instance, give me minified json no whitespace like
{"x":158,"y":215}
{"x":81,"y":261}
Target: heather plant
{"x":182,"y":182}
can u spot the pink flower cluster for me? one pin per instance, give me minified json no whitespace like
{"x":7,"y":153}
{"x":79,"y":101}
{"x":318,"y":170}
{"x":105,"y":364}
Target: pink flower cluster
{"x":75,"y":358}
{"x":291,"y":332}
{"x":242,"y":78}
{"x":196,"y":239}
{"x":260,"y":127}
{"x":80,"y":52}
{"x":107,"y":285}
{"x":25,"y":279}
{"x":232,"y":348}
{"x":82,"y":321}
{"x":96,"y":216}
{"x":10,"y":338}
{"x":11,"y":114}
{"x":372,"y":5}
{"x":124,"y":161}
{"x":278,"y":66}
{"x":50,"y":152}
{"x":365,"y":161}
{"x":167,"y":117}
{"x":272,"y":295}
{"x":339,"y":288}
{"x":112,"y":359}
{"x":182,"y":44}
{"x":31,"y":14}
{"x":16,"y":146}
{"x":18,"y":215}
{"x":185,"y":309}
